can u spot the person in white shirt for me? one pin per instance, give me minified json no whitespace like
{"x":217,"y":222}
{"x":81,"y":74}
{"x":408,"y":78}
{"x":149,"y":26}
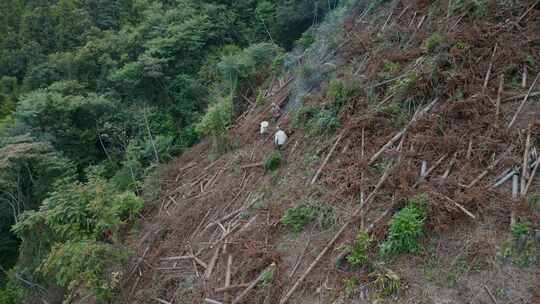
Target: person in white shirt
{"x":264,"y":128}
{"x":280,"y":138}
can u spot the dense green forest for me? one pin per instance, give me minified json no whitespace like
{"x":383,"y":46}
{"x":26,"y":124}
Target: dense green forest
{"x":94,"y":94}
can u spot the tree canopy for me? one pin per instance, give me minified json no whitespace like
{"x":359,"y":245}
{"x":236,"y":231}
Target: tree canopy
{"x":114,"y":86}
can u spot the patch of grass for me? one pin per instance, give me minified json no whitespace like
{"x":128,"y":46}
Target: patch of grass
{"x":390,"y":68}
{"x":534,"y":202}
{"x":406,"y":228}
{"x":260,"y":100}
{"x":458,"y":268}
{"x":402,"y":86}
{"x":272,"y":161}
{"x":358,"y":255}
{"x":297,"y":218}
{"x":387,"y":282}
{"x":520,"y":229}
{"x":461,"y":45}
{"x":521,"y":249}
{"x":433,"y":42}
{"x":351,"y":286}
{"x":431,"y":266}
{"x":528,"y":256}
{"x":267,"y":277}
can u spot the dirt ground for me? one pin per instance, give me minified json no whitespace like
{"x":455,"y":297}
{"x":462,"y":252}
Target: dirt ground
{"x":219,"y":217}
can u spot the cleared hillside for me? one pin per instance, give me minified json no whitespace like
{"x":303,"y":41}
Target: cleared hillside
{"x":404,"y":112}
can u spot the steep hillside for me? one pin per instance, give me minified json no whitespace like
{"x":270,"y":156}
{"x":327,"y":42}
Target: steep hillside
{"x":405,"y":121}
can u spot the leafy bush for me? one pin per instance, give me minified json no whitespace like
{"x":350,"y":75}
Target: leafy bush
{"x":83,"y":260}
{"x":272,"y":161}
{"x":358,"y":255}
{"x":406,"y":227}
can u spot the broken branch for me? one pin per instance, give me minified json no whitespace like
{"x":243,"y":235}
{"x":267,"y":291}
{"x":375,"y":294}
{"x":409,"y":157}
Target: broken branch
{"x":523,"y":102}
{"x":328,"y":157}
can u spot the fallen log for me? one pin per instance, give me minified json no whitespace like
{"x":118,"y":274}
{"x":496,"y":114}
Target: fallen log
{"x":493,"y":165}
{"x":525,"y":166}
{"x":328,"y":157}
{"x":498,"y":104}
{"x":212,"y":264}
{"x":467,"y":212}
{"x":162,"y":301}
{"x":396,"y":137}
{"x":524,"y":101}
{"x":261,"y":276}
{"x":259,"y":164}
{"x":533,"y":173}
{"x":488,"y":73}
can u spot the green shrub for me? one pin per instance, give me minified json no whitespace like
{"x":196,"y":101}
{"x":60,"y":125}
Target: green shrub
{"x":268,"y":276}
{"x":475,"y":8}
{"x":306,"y":40}
{"x":11,"y":293}
{"x":316,"y":121}
{"x":215,"y":123}
{"x":519,"y":229}
{"x":326,"y":122}
{"x":272,"y":161}
{"x":525,"y":256}
{"x":303,"y":115}
{"x":86,"y":261}
{"x":298,"y":217}
{"x":66,"y":237}
{"x":391,"y":68}
{"x":340,"y":91}
{"x":358,"y":255}
{"x":433,"y":41}
{"x":403,"y":85}
{"x":406,"y":227}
